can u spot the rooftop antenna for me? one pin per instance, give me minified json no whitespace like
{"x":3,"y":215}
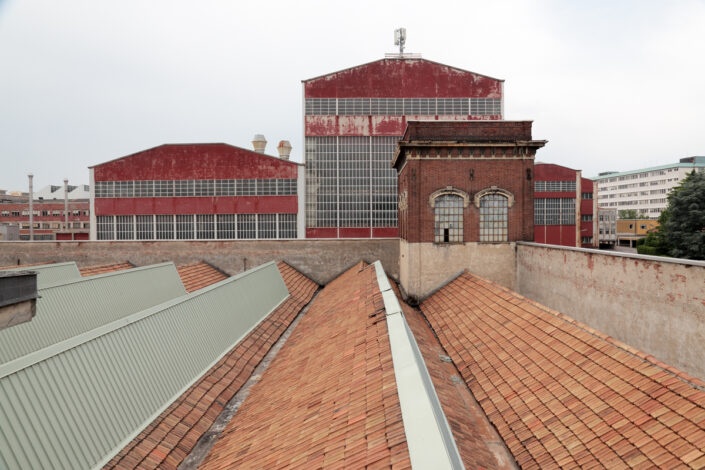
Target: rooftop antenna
{"x":400,"y":39}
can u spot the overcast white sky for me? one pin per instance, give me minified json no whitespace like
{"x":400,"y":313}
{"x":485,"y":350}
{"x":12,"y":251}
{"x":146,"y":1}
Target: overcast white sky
{"x":611,"y":85}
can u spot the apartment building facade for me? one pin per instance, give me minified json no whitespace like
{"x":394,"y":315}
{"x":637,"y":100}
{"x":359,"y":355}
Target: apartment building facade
{"x":645,"y":190}
{"x":353,"y":120}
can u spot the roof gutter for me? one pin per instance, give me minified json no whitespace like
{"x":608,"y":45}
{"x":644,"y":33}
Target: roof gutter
{"x":428,"y":434}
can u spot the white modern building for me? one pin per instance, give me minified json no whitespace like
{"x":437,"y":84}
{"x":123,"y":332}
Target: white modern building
{"x":645,"y":190}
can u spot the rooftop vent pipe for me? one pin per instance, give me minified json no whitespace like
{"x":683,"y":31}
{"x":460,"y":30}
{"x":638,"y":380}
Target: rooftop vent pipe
{"x":284,"y":149}
{"x":259,"y":143}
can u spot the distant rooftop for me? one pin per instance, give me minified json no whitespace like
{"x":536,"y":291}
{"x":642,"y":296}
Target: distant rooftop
{"x":687,"y":162}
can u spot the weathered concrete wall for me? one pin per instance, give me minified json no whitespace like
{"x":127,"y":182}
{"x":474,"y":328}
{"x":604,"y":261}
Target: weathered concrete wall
{"x":654,"y":304}
{"x":321,"y":260}
{"x":424,"y":267}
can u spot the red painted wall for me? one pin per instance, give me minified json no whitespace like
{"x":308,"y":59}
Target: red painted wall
{"x":563,"y":234}
{"x":403,"y":78}
{"x":195,"y":161}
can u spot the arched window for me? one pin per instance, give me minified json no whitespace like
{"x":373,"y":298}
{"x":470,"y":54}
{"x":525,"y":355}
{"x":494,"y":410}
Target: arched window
{"x":493,"y":217}
{"x":448,"y":218}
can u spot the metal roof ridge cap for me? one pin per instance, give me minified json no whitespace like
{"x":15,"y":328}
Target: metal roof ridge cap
{"x":55,"y":349}
{"x":419,"y":403}
{"x":168,"y":403}
{"x":111,"y":273}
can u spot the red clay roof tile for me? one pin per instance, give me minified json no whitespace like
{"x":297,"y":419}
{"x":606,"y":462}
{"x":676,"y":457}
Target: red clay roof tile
{"x":329,"y":396}
{"x":104,"y":268}
{"x":560,"y":393}
{"x":198,"y":275}
{"x":167,"y":441}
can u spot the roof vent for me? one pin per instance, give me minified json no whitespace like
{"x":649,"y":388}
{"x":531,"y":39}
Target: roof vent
{"x":284,"y":149}
{"x":259,"y":143}
{"x":18,"y":297}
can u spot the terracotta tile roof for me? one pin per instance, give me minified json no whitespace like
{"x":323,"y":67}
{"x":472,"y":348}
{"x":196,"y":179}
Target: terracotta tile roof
{"x":477,"y":442}
{"x":172,"y":436}
{"x":104,"y":268}
{"x":329,"y":397}
{"x":561,"y":394}
{"x":199,"y":275}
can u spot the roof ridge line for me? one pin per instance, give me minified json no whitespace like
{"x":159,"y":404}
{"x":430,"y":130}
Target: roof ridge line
{"x":428,"y":435}
{"x":102,"y":275}
{"x":632,"y":351}
{"x":55,"y":349}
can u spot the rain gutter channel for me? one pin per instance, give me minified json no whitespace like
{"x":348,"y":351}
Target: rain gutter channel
{"x":428,"y":434}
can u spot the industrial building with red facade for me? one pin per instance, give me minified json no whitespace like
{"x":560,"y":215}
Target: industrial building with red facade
{"x":353,"y":120}
{"x":197,"y":191}
{"x":563,"y":201}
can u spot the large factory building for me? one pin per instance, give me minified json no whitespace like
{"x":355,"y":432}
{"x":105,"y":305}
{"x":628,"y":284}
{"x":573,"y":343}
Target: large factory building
{"x":353,"y":120}
{"x":197,"y":192}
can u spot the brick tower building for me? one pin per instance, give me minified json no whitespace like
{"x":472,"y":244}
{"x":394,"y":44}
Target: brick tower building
{"x":465,"y":195}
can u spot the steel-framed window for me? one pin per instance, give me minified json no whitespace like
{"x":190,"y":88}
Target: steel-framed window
{"x":485,"y":106}
{"x":266,"y":225}
{"x":105,"y":227}
{"x":321,"y":182}
{"x":183,"y":188}
{"x":165,"y":227}
{"x":267,"y":187}
{"x":246,"y":187}
{"x":227,"y":228}
{"x":286,"y":186}
{"x":448,"y":219}
{"x":384,"y":182}
{"x":184,"y":227}
{"x":246,"y":226}
{"x":205,"y":226}
{"x":493,"y":218}
{"x":287,"y":225}
{"x":144,"y":188}
{"x":224,"y":187}
{"x":145,"y":227}
{"x":320,"y":106}
{"x":204,"y":188}
{"x":124,"y":227}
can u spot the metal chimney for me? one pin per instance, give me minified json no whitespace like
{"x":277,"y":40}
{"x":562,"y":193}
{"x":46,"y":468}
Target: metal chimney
{"x":284,"y":149}
{"x":31,"y":208}
{"x":259,"y":143}
{"x":66,"y":203}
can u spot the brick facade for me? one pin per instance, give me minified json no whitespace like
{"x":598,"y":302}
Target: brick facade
{"x":470,"y":157}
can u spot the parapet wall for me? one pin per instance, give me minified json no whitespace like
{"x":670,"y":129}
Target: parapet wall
{"x":321,"y":260}
{"x":654,"y":304}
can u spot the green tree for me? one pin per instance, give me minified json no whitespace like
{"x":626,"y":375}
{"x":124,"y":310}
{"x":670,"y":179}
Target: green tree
{"x":631,"y":214}
{"x":683,"y":224}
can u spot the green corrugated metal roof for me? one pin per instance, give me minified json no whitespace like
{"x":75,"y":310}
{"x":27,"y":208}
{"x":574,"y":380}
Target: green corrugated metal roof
{"x":78,"y":402}
{"x":52,"y":273}
{"x":69,"y":308}
{"x":652,"y":168}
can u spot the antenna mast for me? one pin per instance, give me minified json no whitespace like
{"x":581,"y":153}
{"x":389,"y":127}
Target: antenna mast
{"x":400,"y":39}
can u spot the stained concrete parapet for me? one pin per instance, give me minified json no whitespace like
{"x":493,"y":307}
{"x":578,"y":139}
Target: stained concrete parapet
{"x":320,"y":259}
{"x":655,"y":304}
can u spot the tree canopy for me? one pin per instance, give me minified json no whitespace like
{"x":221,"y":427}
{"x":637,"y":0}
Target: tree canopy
{"x":683,"y":224}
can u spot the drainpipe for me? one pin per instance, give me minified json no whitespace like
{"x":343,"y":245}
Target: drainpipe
{"x":31,"y":208}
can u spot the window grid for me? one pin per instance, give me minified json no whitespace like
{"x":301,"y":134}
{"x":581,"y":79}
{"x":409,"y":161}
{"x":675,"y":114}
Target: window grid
{"x":554,"y":211}
{"x":184,"y":227}
{"x":165,"y":227}
{"x":105,"y":227}
{"x":124,"y":227}
{"x":287,"y":225}
{"x":266,"y":226}
{"x":448,"y":219}
{"x":555,"y":186}
{"x":493,"y":218}
{"x":485,"y":106}
{"x":403,"y":106}
{"x":246,"y":187}
{"x":320,"y":106}
{"x":246,"y":226}
{"x":205,"y":226}
{"x":227,"y":228}
{"x":224,"y":187}
{"x":321,"y":182}
{"x":145,"y":227}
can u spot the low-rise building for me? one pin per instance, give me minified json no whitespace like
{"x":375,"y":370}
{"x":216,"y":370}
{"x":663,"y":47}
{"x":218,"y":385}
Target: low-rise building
{"x":631,"y":230}
{"x":50,"y":219}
